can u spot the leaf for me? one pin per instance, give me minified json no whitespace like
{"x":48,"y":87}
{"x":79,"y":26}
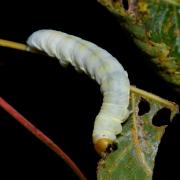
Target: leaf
{"x":155,"y":27}
{"x":138,"y":143}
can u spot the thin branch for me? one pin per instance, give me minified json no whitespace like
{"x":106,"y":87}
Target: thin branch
{"x":16,"y":45}
{"x":41,"y":136}
{"x":23,"y":47}
{"x":156,"y":98}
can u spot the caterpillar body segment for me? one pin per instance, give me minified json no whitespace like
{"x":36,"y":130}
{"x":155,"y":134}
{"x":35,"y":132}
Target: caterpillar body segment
{"x":100,"y":66}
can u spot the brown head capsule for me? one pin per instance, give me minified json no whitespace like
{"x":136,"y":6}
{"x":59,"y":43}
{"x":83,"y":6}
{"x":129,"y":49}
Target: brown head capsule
{"x":104,"y":146}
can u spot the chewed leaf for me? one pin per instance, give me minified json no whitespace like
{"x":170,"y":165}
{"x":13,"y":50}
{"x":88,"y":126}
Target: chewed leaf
{"x":139,"y":141}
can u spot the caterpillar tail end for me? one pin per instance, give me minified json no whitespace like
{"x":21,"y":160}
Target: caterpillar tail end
{"x":104,"y":145}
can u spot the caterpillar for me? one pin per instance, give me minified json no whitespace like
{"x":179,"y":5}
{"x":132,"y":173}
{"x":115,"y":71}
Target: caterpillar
{"x":100,"y":66}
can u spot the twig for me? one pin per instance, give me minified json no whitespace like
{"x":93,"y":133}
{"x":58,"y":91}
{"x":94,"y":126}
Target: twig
{"x":41,"y":136}
{"x":23,"y":47}
{"x":14,"y":45}
{"x":156,"y":98}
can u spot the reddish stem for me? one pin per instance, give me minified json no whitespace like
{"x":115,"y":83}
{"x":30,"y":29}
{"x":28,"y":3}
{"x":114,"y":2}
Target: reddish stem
{"x":41,"y":136}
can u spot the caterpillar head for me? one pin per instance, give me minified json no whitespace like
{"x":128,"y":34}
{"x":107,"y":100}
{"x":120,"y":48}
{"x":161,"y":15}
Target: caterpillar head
{"x":105,"y":145}
{"x":105,"y":132}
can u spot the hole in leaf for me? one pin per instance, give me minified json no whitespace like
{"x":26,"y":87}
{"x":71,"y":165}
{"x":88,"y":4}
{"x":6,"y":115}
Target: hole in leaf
{"x":125,"y":4}
{"x":162,"y":117}
{"x":144,"y":107}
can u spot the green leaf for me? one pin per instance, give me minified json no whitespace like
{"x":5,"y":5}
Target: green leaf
{"x":155,"y":27}
{"x":138,"y":143}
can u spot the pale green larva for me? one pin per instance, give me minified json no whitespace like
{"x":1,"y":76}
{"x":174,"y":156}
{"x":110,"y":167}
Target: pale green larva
{"x":99,"y":65}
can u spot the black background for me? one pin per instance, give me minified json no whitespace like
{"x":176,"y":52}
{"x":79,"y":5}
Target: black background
{"x":62,"y":102}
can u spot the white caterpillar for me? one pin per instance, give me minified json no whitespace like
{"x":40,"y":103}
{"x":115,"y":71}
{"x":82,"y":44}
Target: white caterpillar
{"x":99,"y":65}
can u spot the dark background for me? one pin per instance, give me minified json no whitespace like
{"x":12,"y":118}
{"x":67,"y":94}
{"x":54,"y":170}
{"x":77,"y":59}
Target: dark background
{"x":62,"y":102}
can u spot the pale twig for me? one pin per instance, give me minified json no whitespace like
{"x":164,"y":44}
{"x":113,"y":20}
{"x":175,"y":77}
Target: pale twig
{"x":23,"y":47}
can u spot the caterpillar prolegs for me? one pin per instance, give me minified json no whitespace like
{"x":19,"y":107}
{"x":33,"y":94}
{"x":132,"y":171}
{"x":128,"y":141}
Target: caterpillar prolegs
{"x":100,"y":66}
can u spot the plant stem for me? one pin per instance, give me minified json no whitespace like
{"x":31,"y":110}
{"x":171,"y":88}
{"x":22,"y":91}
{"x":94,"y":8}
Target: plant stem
{"x":41,"y":136}
{"x":156,"y":98}
{"x":23,"y":47}
{"x":14,"y":45}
